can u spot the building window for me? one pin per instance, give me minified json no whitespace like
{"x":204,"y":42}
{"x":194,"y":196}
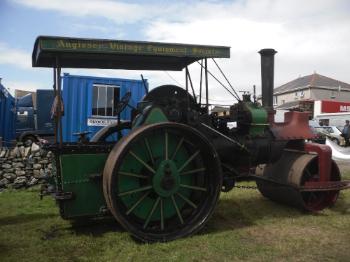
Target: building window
{"x":332,"y":95}
{"x":275,"y":100}
{"x":104,"y":99}
{"x":296,"y":95}
{"x":302,"y":93}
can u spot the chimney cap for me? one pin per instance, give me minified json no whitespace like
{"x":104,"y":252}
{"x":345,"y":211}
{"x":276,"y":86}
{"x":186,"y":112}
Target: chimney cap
{"x":267,"y":51}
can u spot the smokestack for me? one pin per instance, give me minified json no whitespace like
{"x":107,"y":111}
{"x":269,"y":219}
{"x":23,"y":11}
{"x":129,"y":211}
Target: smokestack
{"x":267,"y":71}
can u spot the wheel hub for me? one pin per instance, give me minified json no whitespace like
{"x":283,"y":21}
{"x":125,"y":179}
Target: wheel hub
{"x":166,"y":181}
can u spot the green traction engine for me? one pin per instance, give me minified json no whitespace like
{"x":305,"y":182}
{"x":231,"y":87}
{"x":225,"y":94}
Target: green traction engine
{"x":163,"y":177}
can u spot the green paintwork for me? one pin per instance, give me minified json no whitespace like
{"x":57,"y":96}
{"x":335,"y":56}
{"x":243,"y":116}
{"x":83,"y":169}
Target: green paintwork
{"x":88,"y":195}
{"x":132,"y":165}
{"x":170,"y":166}
{"x":259,"y":118}
{"x":141,"y":173}
{"x":155,"y":116}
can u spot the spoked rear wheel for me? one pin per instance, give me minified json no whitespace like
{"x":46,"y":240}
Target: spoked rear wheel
{"x":318,"y":200}
{"x":162,"y":181}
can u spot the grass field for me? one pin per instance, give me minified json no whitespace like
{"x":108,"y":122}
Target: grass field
{"x":245,"y":226}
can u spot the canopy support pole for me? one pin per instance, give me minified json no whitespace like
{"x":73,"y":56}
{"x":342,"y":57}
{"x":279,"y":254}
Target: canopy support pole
{"x":200,"y":84}
{"x":206,"y":84}
{"x":53,"y":109}
{"x":59,"y":105}
{"x":189,"y":78}
{"x":187,"y":93}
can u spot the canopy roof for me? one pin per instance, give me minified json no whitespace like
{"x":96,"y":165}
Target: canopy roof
{"x":116,"y":54}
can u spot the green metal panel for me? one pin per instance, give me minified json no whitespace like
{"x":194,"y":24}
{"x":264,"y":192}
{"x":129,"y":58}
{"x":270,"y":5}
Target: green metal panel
{"x":259,"y":118}
{"x":77,"y":172}
{"x":155,"y":116}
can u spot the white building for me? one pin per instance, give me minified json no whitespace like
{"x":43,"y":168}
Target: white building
{"x":311,"y":87}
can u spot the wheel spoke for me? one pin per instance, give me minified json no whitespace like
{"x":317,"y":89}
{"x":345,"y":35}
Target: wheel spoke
{"x":189,"y":160}
{"x":151,"y":213}
{"x":193,"y":171}
{"x":311,"y":176}
{"x":135,"y":190}
{"x":149,"y":151}
{"x":137,"y":203}
{"x":177,"y":148}
{"x":311,"y":197}
{"x":177,"y":210}
{"x":193,"y":187}
{"x":166,"y":146}
{"x":142,"y":162}
{"x":187,"y":200}
{"x":161,"y":215}
{"x":308,"y":173}
{"x":131,"y":174}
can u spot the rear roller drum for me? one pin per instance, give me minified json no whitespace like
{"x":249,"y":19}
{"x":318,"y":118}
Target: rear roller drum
{"x":318,"y":200}
{"x":291,"y":173}
{"x":162,"y":181}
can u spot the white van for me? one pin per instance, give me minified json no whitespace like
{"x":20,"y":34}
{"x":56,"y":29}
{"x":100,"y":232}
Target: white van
{"x":333,"y":119}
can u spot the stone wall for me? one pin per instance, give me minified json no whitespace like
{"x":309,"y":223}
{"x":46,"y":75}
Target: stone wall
{"x":24,"y":166}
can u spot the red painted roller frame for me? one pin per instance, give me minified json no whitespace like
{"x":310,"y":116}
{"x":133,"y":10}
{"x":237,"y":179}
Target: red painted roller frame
{"x":324,"y":182}
{"x":324,"y":153}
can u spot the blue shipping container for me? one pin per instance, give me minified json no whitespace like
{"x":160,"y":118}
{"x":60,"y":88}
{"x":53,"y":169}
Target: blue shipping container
{"x":89,"y":102}
{"x":7,"y":115}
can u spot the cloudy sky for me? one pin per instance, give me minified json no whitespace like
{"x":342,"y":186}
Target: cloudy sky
{"x":309,"y":36}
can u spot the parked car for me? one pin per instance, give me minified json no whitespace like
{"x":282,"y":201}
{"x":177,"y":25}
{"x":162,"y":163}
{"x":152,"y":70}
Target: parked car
{"x":320,"y":137}
{"x":333,"y":133}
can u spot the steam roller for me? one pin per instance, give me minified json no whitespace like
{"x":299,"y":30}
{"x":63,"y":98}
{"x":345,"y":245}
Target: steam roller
{"x":162,"y":177}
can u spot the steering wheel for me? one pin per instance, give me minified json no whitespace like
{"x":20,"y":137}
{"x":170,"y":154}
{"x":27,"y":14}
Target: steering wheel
{"x":124,"y":101}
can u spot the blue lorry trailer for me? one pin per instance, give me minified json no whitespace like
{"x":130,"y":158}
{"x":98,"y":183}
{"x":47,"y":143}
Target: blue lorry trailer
{"x":7,"y":116}
{"x":34,"y":121}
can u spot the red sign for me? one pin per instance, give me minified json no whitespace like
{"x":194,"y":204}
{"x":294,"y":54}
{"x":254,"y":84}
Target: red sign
{"x":335,"y":107}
